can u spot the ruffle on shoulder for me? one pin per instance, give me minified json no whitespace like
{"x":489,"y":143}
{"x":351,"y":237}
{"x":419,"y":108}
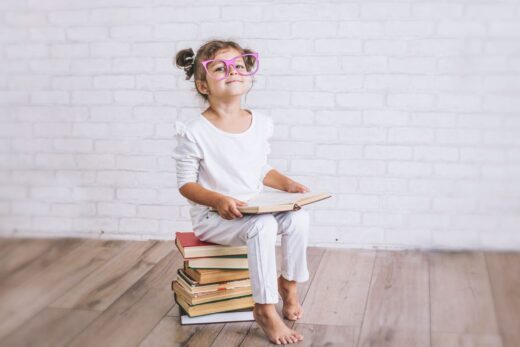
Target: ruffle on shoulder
{"x":180,"y":128}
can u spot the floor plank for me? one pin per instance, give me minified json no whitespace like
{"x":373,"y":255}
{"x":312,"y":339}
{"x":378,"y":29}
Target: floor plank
{"x":461,"y":299}
{"x":52,"y":327}
{"x":397,"y":311}
{"x":103,"y":286}
{"x":169,"y":333}
{"x":44,"y":287}
{"x":59,"y":249}
{"x":465,"y":340}
{"x":327,"y":335}
{"x":20,"y":254}
{"x":504,"y":275}
{"x":339,"y":290}
{"x":9,"y":244}
{"x":136,"y":313}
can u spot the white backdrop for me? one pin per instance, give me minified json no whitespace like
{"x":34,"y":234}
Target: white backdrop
{"x":408,"y":112}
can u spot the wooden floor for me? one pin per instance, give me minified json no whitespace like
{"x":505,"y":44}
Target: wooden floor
{"x":72,"y":292}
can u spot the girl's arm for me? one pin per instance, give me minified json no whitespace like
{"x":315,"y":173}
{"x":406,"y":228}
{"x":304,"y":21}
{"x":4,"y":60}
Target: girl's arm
{"x":226,"y":206}
{"x":276,"y":180}
{"x":196,"y":193}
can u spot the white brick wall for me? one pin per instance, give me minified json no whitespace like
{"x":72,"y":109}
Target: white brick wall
{"x":408,"y":112}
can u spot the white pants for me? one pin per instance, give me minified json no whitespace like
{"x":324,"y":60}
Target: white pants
{"x":259,"y":233}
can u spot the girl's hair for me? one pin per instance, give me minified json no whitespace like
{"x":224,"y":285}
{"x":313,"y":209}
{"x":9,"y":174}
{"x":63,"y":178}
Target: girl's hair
{"x":187,"y":60}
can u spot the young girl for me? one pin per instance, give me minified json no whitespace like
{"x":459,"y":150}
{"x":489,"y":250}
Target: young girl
{"x":221,"y":161}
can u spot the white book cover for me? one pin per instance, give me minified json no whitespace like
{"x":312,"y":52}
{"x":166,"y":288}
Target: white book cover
{"x":223,"y":317}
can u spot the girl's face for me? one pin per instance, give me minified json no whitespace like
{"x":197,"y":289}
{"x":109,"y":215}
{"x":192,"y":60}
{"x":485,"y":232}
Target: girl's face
{"x":233,"y":85}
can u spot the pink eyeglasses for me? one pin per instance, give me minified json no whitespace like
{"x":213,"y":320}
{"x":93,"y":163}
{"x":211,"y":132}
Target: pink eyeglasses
{"x":244,"y":65}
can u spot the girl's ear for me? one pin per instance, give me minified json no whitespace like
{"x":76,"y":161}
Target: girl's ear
{"x":202,"y":86}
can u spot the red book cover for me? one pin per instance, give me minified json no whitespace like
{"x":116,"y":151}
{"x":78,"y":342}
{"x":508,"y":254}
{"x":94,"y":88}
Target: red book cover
{"x":191,"y":247}
{"x":188,"y":239}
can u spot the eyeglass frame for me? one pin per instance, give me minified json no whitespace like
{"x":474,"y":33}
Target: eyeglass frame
{"x":229,"y":62}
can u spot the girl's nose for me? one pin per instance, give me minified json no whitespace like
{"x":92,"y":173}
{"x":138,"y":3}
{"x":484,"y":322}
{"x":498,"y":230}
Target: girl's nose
{"x":232,"y":70}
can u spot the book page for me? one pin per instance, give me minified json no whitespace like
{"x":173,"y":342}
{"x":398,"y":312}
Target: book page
{"x":267,"y":198}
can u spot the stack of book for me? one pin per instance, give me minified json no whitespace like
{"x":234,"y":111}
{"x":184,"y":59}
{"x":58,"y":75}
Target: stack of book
{"x":213,"y":286}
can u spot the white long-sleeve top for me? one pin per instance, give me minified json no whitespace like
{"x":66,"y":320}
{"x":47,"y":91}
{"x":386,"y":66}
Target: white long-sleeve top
{"x":232,"y":164}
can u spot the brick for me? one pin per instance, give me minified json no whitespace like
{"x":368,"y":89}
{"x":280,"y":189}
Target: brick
{"x":132,"y":130}
{"x":313,"y":166}
{"x":343,"y":117}
{"x":360,"y":100}
{"x":136,"y":194}
{"x":111,"y":113}
{"x":135,"y":162}
{"x":358,"y":202}
{"x":133,"y":32}
{"x":436,"y":153}
{"x":410,"y":135}
{"x":155,"y":82}
{"x":361,"y":167}
{"x":69,"y":18}
{"x":455,"y":170}
{"x":314,"y":29}
{"x":69,"y":50}
{"x":388,"y":152}
{"x":362,"y":135}
{"x":411,"y":102}
{"x":49,"y":97}
{"x":292,"y":116}
{"x":72,"y":82}
{"x":155,"y":211}
{"x":133,"y":97}
{"x":183,"y":31}
{"x":89,"y":97}
{"x":34,"y":50}
{"x":95,"y":161}
{"x":313,"y":99}
{"x":383,"y":219}
{"x":415,"y":29}
{"x":47,"y":34}
{"x":362,"y":64}
{"x":382,"y":185}
{"x":304,"y":132}
{"x":73,"y":145}
{"x":409,"y":168}
{"x":458,"y":136}
{"x":47,"y":193}
{"x":93,"y":193}
{"x":341,"y":46}
{"x":109,"y":49}
{"x":339,"y":151}
{"x":339,"y":83}
{"x":86,"y":33}
{"x":360,"y":29}
{"x":406,"y":203}
{"x":385,"y":117}
{"x":385,"y":10}
{"x":116,"y":209}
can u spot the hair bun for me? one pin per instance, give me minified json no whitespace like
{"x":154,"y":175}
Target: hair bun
{"x":185,"y":59}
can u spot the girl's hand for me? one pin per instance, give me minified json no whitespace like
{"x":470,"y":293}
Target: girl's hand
{"x":227,"y":207}
{"x":295,"y":187}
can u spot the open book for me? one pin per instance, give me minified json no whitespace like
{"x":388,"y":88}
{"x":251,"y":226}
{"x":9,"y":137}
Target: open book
{"x":279,"y":201}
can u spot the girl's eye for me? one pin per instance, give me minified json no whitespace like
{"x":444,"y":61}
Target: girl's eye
{"x":240,"y":66}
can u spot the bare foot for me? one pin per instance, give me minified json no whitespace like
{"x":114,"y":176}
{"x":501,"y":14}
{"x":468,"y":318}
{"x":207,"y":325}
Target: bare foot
{"x":273,"y":326}
{"x":292,"y":310}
